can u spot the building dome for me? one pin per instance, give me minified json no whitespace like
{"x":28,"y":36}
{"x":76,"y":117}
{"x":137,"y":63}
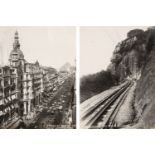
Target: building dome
{"x":16,"y":53}
{"x":16,"y":58}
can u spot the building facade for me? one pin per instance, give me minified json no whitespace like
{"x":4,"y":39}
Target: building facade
{"x":9,"y":103}
{"x":22,"y":85}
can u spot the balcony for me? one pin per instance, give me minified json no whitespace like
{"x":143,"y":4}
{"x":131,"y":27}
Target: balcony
{"x":25,"y":84}
{"x":13,"y":87}
{"x":37,"y":79}
{"x":30,"y":84}
{"x":7,"y":87}
{"x":1,"y":95}
{"x":6,"y":94}
{"x":13,"y":92}
{"x":13,"y":71}
{"x":6,"y":75}
{"x":25,"y":97}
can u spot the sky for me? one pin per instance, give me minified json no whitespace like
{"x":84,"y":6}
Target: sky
{"x":51,"y":46}
{"x":97,"y":45}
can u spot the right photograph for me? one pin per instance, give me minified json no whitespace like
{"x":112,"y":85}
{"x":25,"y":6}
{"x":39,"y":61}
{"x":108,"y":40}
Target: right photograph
{"x":117,"y":77}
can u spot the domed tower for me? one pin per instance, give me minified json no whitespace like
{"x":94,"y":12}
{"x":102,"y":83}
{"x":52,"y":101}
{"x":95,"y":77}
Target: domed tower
{"x":17,"y":61}
{"x":16,"y":58}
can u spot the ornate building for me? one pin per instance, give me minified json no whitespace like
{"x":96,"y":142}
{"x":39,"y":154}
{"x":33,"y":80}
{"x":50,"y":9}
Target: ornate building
{"x":22,"y":85}
{"x":9,"y":109}
{"x":16,"y":56}
{"x":17,"y":62}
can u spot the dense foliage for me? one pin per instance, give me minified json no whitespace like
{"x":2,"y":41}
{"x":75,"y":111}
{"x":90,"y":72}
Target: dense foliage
{"x":96,"y":83}
{"x":135,"y":32}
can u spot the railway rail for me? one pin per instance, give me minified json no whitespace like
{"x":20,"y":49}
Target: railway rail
{"x":103,"y":113}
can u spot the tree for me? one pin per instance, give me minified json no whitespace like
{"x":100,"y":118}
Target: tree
{"x":135,"y":32}
{"x":96,"y":83}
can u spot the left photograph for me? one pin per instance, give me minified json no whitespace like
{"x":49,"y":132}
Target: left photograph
{"x":37,"y":77}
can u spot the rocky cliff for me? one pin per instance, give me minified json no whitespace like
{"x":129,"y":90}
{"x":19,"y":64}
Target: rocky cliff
{"x":134,"y":58}
{"x":127,"y":59}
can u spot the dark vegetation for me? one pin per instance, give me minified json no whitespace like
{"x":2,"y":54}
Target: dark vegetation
{"x":96,"y":83}
{"x":136,"y":32}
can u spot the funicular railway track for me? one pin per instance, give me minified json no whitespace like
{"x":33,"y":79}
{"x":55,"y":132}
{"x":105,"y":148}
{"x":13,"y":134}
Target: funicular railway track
{"x":103,"y":113}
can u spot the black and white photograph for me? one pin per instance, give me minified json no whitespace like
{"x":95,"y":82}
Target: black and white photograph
{"x":71,"y":67}
{"x":117,"y":77}
{"x":37,"y":77}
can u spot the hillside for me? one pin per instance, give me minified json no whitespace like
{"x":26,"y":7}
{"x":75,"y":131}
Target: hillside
{"x":96,"y":83}
{"x":133,"y":60}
